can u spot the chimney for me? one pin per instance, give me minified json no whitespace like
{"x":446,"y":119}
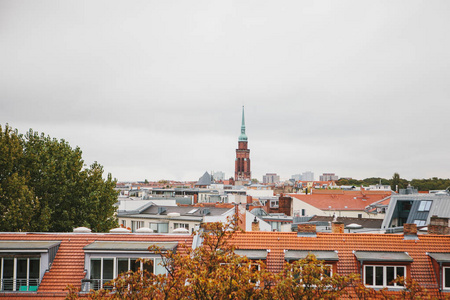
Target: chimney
{"x":337,"y":227}
{"x":439,"y":226}
{"x":249,"y":199}
{"x":306,"y":230}
{"x":195,"y":198}
{"x":410,"y":231}
{"x":255,"y":225}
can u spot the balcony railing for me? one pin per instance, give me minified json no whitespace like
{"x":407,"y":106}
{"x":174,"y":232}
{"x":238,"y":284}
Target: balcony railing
{"x":19,"y":285}
{"x":95,"y":284}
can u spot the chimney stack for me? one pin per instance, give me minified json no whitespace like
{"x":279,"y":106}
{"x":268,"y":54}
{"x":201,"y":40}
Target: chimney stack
{"x":337,"y":227}
{"x":439,"y":226}
{"x":410,"y":231}
{"x":255,"y":225}
{"x":306,"y":230}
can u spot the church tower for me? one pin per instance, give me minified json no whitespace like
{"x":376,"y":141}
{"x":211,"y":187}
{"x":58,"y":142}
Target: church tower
{"x":242,"y":163}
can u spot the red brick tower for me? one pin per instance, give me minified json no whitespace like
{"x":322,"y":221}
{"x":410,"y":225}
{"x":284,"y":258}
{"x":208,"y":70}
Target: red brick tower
{"x":242,"y":163}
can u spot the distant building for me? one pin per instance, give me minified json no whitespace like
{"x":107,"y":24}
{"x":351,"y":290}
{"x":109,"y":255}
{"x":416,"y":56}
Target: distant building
{"x":328,"y":177}
{"x":271,"y":178}
{"x":219,"y":176}
{"x":308,"y":176}
{"x":297,"y":177}
{"x":242,"y":163}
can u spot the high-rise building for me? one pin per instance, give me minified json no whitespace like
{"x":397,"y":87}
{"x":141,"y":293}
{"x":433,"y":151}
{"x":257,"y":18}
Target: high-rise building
{"x":308,"y":176}
{"x":271,"y":178}
{"x":328,"y":177}
{"x":242,"y":163}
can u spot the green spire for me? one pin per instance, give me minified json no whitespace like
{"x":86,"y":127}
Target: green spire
{"x":243,"y":137}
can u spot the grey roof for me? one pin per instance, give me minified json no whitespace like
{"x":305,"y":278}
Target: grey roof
{"x":128,"y":246}
{"x":252,"y":254}
{"x":440,"y":257}
{"x":205,"y":179}
{"x":185,"y":210}
{"x":382,"y":256}
{"x":301,"y":254}
{"x":364,"y":222}
{"x":28,"y":246}
{"x":439,"y":207}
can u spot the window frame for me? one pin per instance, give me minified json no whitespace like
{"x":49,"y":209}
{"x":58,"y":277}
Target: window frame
{"x":444,"y":268}
{"x":16,"y":285}
{"x":157,"y":259}
{"x":384,"y":275}
{"x":425,"y":205}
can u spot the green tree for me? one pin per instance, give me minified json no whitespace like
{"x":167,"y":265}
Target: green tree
{"x":44,"y":180}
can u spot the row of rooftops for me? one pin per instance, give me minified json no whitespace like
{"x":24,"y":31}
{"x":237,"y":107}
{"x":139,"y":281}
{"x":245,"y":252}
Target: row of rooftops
{"x":346,"y":252}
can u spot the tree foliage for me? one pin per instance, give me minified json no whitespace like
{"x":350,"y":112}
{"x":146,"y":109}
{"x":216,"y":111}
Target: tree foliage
{"x":45,"y":187}
{"x":214,"y":272}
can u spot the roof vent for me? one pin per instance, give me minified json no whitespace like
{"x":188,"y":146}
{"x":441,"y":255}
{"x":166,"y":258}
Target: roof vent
{"x":161,"y":210}
{"x":82,"y":230}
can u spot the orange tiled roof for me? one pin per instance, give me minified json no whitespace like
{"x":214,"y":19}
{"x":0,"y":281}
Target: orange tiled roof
{"x":341,"y":201}
{"x":68,"y":265}
{"x":345,"y":243}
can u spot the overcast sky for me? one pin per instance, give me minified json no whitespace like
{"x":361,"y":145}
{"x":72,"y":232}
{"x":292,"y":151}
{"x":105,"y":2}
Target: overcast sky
{"x":154,"y":89}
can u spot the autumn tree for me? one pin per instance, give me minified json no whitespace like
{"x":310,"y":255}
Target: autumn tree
{"x":44,"y":186}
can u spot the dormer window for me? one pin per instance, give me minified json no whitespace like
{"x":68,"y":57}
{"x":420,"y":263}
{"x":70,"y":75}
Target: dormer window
{"x":106,"y":260}
{"x":24,"y":263}
{"x":380,"y":269}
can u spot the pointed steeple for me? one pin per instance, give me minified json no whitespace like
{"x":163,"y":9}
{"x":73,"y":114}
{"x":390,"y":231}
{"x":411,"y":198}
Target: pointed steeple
{"x":243,"y":136}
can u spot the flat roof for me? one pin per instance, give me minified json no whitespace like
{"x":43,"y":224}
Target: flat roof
{"x":27,"y":246}
{"x":99,"y":246}
{"x":440,"y":257}
{"x":382,"y":256}
{"x":319,"y":254}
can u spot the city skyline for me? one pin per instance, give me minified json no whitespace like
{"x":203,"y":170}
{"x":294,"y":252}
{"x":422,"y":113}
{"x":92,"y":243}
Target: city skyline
{"x":153,"y":90}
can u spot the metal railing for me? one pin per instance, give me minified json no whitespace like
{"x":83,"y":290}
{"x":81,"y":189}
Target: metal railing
{"x":19,"y":285}
{"x":95,"y":284}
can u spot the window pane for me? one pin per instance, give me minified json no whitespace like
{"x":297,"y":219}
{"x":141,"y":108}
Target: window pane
{"x":163,"y":227}
{"x":369,"y":275}
{"x":122,"y":265}
{"x":34,"y":272}
{"x":8,"y":271}
{"x":134,"y":265}
{"x":95,"y":268}
{"x":447,"y":277}
{"x":148,"y":266}
{"x":108,"y":269}
{"x":378,"y":275}
{"x":390,"y":276}
{"x":158,"y":268}
{"x":400,"y":272}
{"x":21,"y":275}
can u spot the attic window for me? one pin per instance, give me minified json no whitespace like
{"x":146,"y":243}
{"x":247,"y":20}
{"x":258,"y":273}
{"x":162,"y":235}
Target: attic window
{"x":424,"y":206}
{"x":192,"y":211}
{"x":274,"y":203}
{"x":21,"y":261}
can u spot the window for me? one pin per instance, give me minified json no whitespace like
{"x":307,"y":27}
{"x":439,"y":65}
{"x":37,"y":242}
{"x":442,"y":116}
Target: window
{"x":425,"y":205}
{"x":19,"y":273}
{"x":446,"y":273}
{"x":273,"y":203}
{"x":420,"y":222}
{"x":382,"y":276}
{"x":159,"y":227}
{"x":104,"y":269}
{"x":181,"y":225}
{"x":136,"y":225}
{"x":303,"y":212}
{"x":124,"y":223}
